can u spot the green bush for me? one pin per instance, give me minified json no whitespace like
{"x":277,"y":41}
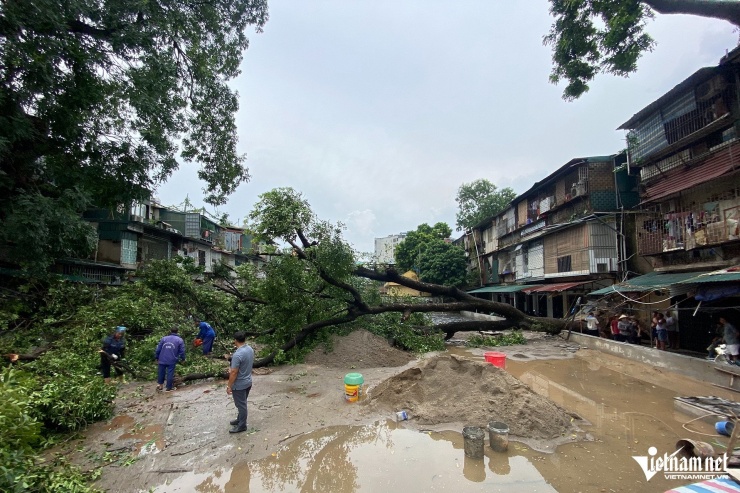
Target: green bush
{"x":20,"y":434}
{"x":69,"y":394}
{"x":74,"y":401}
{"x":406,"y":335}
{"x":515,"y":337}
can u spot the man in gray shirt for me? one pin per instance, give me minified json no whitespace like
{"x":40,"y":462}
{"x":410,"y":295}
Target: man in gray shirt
{"x":240,"y":380}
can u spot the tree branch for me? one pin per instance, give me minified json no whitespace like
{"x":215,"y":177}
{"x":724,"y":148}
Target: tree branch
{"x":728,"y":10}
{"x":356,"y":296}
{"x":232,"y":290}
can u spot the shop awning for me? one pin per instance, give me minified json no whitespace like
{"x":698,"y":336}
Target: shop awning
{"x":731,"y":274}
{"x":554,"y":288}
{"x":717,"y":284}
{"x":507,"y":288}
{"x":648,"y":282}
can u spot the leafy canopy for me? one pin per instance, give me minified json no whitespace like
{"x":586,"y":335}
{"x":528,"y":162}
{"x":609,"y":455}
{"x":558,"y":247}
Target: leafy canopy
{"x":102,"y":97}
{"x":592,"y":36}
{"x":443,"y":263}
{"x":408,"y":251}
{"x":479,"y":200}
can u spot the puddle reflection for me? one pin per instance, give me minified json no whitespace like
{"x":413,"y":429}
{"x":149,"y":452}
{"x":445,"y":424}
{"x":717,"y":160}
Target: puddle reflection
{"x":379,"y":457}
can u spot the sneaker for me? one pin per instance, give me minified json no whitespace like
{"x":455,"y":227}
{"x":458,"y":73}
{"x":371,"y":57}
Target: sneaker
{"x":237,"y":430}
{"x":159,"y":388}
{"x":709,"y":358}
{"x":171,"y":390}
{"x":234,"y":422}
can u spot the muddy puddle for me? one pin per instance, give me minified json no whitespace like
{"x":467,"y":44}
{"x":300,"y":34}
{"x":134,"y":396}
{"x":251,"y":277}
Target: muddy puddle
{"x":625,"y":416}
{"x":380,"y":457}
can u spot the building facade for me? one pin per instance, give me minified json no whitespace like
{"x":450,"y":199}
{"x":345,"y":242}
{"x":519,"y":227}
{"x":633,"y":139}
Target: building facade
{"x":558,"y":240}
{"x":128,"y":239}
{"x":385,"y":248}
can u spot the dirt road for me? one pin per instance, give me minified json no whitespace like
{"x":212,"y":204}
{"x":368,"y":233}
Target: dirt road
{"x":156,"y":437}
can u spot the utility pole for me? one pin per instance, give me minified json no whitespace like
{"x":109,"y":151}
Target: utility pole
{"x":477,"y":256}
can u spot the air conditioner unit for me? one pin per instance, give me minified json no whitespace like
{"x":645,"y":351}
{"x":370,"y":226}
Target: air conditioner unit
{"x":137,"y":218}
{"x":578,"y":189}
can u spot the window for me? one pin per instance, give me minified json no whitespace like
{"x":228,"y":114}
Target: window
{"x":202,"y":258}
{"x":128,"y":250}
{"x":564,"y":264}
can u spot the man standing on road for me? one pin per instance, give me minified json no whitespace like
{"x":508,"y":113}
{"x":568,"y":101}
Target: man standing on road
{"x":170,"y":350}
{"x":240,"y":380}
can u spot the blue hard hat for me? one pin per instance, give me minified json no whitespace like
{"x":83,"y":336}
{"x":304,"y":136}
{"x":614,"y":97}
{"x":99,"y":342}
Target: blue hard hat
{"x":120,"y":328}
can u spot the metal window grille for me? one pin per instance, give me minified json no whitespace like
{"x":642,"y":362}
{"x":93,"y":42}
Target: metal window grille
{"x":706,"y":214}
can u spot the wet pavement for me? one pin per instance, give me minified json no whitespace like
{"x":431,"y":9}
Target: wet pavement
{"x":628,"y":407}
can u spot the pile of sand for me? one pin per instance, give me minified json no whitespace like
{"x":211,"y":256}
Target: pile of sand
{"x":359,"y":349}
{"x":447,"y":389}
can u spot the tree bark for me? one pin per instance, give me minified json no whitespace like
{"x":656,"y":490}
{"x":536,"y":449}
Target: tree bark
{"x":728,"y":10}
{"x":33,"y":355}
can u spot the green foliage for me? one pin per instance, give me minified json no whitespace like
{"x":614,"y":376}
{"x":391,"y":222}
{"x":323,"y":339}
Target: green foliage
{"x":408,"y":251}
{"x":19,"y":429}
{"x":69,"y":394}
{"x":592,"y":36}
{"x":20,"y":434}
{"x":97,"y":99}
{"x":511,"y":339}
{"x":443,"y":263}
{"x":480,"y":200}
{"x":279,"y":213}
{"x":405,"y":335}
{"x":56,"y":219}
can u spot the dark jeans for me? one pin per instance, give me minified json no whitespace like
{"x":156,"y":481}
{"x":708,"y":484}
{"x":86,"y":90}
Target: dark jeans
{"x":168,"y":371}
{"x":240,"y":401}
{"x":207,"y":345}
{"x":105,"y":367}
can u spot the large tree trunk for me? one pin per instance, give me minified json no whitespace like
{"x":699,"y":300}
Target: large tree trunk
{"x":728,"y":10}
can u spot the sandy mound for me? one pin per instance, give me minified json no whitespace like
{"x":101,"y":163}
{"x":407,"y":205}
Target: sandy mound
{"x":447,"y":389}
{"x":360,"y":349}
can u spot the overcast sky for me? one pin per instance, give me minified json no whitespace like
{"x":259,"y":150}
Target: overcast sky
{"x":378,"y":111}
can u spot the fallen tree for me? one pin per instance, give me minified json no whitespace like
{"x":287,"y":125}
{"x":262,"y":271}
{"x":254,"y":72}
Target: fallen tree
{"x":320,"y":284}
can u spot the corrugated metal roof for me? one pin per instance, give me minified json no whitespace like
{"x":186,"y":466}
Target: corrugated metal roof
{"x":723,"y":162}
{"x":508,"y":288}
{"x":731,"y":274}
{"x":648,"y":282}
{"x":554,"y":288}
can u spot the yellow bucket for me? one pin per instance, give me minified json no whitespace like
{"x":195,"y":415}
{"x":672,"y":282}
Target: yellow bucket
{"x":351,"y":392}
